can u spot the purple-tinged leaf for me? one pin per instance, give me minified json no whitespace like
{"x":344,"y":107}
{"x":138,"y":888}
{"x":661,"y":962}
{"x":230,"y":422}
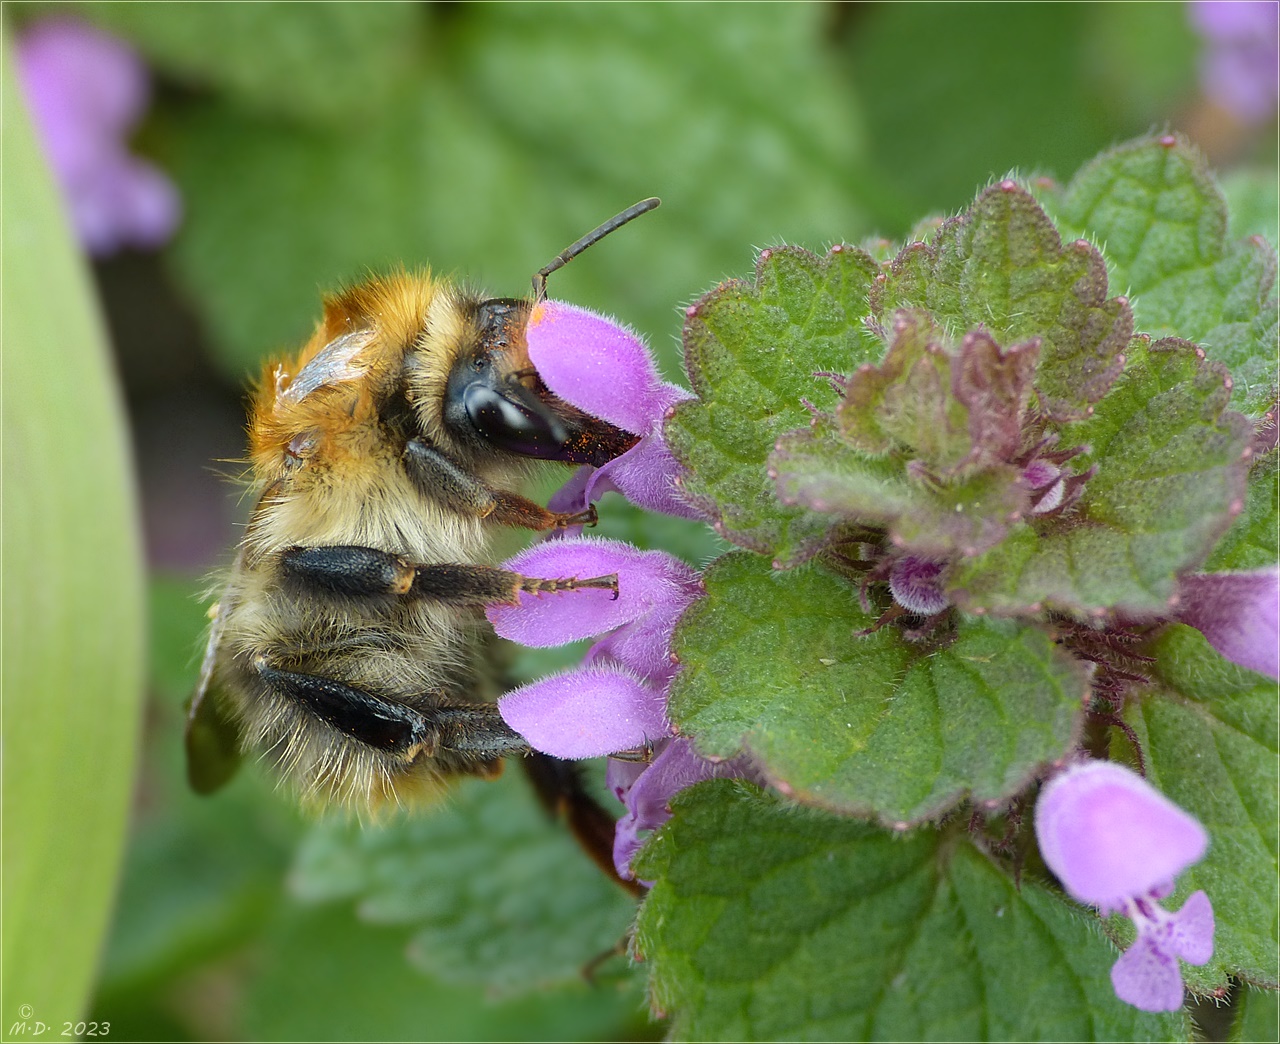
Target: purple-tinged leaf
{"x":1002,"y":265}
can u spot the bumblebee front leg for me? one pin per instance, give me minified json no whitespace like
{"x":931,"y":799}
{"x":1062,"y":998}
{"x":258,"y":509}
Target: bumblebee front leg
{"x":440,"y":478}
{"x":366,"y":572}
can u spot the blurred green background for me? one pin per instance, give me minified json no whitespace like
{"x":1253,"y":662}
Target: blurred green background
{"x":312,"y":143}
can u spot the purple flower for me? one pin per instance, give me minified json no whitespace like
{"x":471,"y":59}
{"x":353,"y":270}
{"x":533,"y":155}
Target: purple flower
{"x":86,"y":91}
{"x":1239,"y":613}
{"x":1117,"y":843}
{"x":916,"y":584}
{"x":606,"y":370}
{"x":617,"y":699}
{"x":646,"y":791}
{"x":1241,"y":61}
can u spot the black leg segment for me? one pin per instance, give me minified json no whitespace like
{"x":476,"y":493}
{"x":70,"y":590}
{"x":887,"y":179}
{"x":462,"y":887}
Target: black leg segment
{"x":471,"y":733}
{"x":441,"y":479}
{"x":365,"y":572}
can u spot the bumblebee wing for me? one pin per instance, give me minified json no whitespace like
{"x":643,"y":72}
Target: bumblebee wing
{"x":212,"y":741}
{"x":213,"y":736}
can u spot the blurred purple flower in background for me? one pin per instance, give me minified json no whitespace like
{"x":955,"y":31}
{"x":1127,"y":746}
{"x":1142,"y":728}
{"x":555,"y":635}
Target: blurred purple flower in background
{"x":606,"y":370}
{"x":1240,"y":66}
{"x":1239,"y":613}
{"x":86,"y":91}
{"x":1117,"y":843}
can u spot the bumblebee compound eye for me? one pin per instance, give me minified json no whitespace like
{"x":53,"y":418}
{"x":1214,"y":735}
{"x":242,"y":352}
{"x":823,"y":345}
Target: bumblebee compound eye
{"x":486,"y":400}
{"x":511,"y":418}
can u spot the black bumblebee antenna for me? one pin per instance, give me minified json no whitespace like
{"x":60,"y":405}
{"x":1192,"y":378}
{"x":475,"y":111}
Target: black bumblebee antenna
{"x":594,"y":236}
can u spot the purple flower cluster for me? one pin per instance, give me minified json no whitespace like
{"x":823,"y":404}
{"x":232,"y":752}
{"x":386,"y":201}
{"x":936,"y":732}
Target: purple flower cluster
{"x":616,"y":700}
{"x":86,"y":91}
{"x":1118,"y":844}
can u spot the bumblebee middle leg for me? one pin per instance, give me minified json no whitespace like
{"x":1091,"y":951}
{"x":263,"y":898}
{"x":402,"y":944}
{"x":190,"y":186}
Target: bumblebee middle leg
{"x":363,"y":572}
{"x":440,"y":478}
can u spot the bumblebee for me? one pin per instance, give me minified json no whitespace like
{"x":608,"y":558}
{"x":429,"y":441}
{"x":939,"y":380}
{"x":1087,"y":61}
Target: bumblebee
{"x":348,"y":645}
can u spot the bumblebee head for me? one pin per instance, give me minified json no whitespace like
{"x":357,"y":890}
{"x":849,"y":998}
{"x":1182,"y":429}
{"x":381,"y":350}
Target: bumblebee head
{"x":494,"y":398}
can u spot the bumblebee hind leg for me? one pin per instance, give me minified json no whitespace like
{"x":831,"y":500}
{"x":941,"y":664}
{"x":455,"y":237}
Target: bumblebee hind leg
{"x":467,"y":733}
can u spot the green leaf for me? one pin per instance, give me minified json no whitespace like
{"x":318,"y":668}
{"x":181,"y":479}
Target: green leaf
{"x":498,"y":894}
{"x":818,"y":469}
{"x":324,"y":62}
{"x":73,"y":606}
{"x":1253,"y":539}
{"x":1253,"y":203}
{"x":1170,"y":477}
{"x":323,"y":975}
{"x":981,"y":79}
{"x":201,"y":876}
{"x":1208,"y":729}
{"x":1001,"y":264}
{"x":457,"y":169}
{"x":752,"y":352}
{"x":1162,"y":221}
{"x":765,"y":923}
{"x":867,"y":724}
{"x":1258,"y":1019}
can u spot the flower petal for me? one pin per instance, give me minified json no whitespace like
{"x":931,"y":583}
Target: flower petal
{"x":916,"y":584}
{"x":586,"y":713}
{"x":1147,"y":977}
{"x":646,"y":476}
{"x":1239,"y":613}
{"x":1191,"y":935}
{"x":649,"y":798}
{"x":646,"y":580}
{"x":1109,"y":835}
{"x":598,"y":365}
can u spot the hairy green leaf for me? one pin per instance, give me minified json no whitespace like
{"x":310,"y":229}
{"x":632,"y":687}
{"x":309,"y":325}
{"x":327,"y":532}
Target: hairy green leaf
{"x":498,"y":894}
{"x":752,"y":353}
{"x":1208,"y":729}
{"x":818,"y":469}
{"x":766,"y":923}
{"x":1253,"y":541}
{"x":1161,"y":220}
{"x":1001,"y":264}
{"x":867,"y":723}
{"x":1170,"y":478}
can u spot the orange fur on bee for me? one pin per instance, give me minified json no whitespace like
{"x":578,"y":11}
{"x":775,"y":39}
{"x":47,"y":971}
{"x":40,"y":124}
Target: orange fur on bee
{"x":331,"y":424}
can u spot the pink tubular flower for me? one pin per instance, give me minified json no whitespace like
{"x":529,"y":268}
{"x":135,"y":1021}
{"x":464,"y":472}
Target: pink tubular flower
{"x":1117,"y":843}
{"x":617,"y":699}
{"x":606,"y":370}
{"x":646,"y":791}
{"x":86,"y":91}
{"x":1239,"y":613}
